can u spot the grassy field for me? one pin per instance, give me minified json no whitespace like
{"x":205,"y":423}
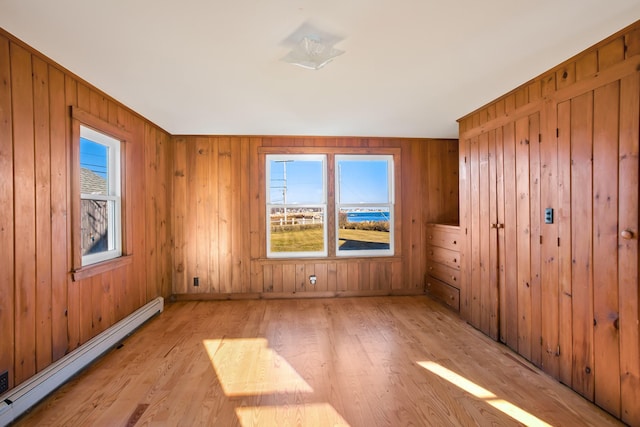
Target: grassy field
{"x":311,"y":240}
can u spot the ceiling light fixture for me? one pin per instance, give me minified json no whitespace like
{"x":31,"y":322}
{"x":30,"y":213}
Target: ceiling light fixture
{"x":312,"y":53}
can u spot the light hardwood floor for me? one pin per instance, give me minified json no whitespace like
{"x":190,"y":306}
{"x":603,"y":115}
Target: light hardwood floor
{"x":379,"y":361}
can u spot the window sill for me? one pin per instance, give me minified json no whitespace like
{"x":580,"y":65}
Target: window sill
{"x":101,"y":267}
{"x":328,"y":260}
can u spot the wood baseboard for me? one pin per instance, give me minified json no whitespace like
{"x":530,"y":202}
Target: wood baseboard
{"x":294,"y":295}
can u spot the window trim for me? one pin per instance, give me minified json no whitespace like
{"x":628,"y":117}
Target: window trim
{"x":324,"y":205}
{"x":330,"y":151}
{"x":390,"y":204}
{"x":113,"y":194}
{"x":80,"y":118}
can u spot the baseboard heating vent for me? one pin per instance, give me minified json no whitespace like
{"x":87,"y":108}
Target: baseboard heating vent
{"x":18,"y":400}
{"x":4,"y":381}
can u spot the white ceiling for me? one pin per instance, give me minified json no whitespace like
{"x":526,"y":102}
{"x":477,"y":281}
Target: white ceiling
{"x":411,"y":67}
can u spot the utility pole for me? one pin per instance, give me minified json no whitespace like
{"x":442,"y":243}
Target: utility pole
{"x":284,"y":185}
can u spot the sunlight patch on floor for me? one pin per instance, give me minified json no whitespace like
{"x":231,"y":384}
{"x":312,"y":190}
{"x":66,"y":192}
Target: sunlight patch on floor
{"x":248,"y":367}
{"x":310,"y":414}
{"x":479,"y":392}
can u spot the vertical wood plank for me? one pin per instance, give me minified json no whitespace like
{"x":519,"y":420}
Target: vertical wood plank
{"x":7,"y":292}
{"x":245,"y":213}
{"x":238,"y":208}
{"x":202,"y":208}
{"x":24,"y":208}
{"x":256,"y":199}
{"x":493,"y":303}
{"x":301,"y":276}
{"x":629,"y":298}
{"x":152,"y":187}
{"x":40,"y":78}
{"x":606,"y":346}
{"x":534,"y":236}
{"x":484,"y":254}
{"x":565,"y":323}
{"x":582,"y":243}
{"x":276,"y":278}
{"x":321,"y":275}
{"x":225,"y":214}
{"x":179,"y":215}
{"x":191,"y":215}
{"x":289,"y":277}
{"x":523,"y":238}
{"x":212,"y":220}
{"x":342,"y":276}
{"x":332,"y":277}
{"x":60,"y":237}
{"x":549,"y":278}
{"x":137,"y":222}
{"x":475,"y":283}
{"x":510,"y":231}
{"x":353,"y":277}
{"x":465,"y":228}
{"x":267,"y":282}
{"x":413,"y":205}
{"x":502,"y":297}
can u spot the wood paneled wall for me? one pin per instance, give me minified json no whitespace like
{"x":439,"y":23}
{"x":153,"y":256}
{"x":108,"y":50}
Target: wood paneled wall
{"x":564,"y":295}
{"x":219,"y":218}
{"x":44,"y":314}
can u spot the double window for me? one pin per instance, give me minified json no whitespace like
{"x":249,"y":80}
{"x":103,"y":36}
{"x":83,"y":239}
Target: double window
{"x":362,"y":205}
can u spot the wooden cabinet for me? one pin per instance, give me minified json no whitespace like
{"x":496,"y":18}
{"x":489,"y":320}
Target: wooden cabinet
{"x":443,"y":264}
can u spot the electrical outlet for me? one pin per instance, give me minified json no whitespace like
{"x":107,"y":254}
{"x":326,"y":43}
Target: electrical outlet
{"x":196,"y":281}
{"x":4,"y":382}
{"x":313,"y":279}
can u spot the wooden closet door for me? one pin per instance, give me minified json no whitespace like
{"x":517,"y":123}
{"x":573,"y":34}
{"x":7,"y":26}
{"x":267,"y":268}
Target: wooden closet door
{"x":628,"y":229}
{"x":481,"y":255}
{"x":598,"y":245}
{"x":519,"y":219}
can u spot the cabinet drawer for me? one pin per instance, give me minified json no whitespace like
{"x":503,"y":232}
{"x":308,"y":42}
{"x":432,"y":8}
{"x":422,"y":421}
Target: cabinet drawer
{"x":443,"y":237}
{"x":449,"y":275}
{"x":443,"y":293}
{"x":444,"y":256}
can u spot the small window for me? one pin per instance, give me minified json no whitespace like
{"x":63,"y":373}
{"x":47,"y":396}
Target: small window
{"x":100,"y":204}
{"x":364,"y":205}
{"x":296,"y":205}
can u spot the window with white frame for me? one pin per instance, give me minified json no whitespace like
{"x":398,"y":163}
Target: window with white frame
{"x":100,"y":201}
{"x":296,"y":205}
{"x":364,"y":205}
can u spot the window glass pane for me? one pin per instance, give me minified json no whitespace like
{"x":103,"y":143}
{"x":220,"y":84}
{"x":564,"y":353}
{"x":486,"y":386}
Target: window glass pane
{"x":297,"y":229}
{"x":296,"y":182}
{"x":97,"y":226}
{"x":363,"y":181}
{"x":365,"y":228}
{"x":93,"y":167}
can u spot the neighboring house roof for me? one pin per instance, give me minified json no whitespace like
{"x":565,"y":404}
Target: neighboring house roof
{"x":91,"y":183}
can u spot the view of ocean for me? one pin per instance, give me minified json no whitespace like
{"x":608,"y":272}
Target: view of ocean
{"x":361,"y":216}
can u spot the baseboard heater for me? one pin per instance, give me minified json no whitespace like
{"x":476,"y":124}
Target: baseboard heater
{"x":19,"y":399}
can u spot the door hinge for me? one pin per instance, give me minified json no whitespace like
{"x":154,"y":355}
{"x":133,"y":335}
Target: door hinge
{"x":465,"y":159}
{"x":558,"y":351}
{"x":541,"y":239}
{"x":539,"y":137}
{"x":558,"y":242}
{"x":557,"y":133}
